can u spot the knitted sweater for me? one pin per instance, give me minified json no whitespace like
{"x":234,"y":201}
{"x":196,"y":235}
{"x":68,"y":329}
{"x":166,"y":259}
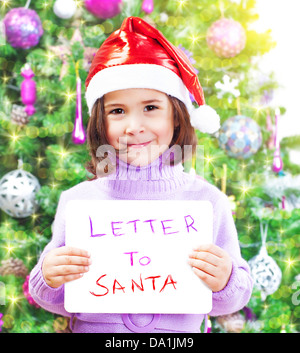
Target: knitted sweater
{"x":156,"y":181}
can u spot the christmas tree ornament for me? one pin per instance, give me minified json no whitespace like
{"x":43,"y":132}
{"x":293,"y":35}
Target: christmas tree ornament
{"x":14,"y":267}
{"x":227,"y":86}
{"x":277,"y":161}
{"x":28,"y":90}
{"x":64,"y":8}
{"x":265,"y":272}
{"x":26,"y":293}
{"x":147,"y":6}
{"x":155,"y":64}
{"x":240,"y":137}
{"x":78,"y":134}
{"x":23,"y":28}
{"x":232,"y":322}
{"x":226,"y":37}
{"x":104,"y":8}
{"x":17,"y":193}
{"x":18,"y":115}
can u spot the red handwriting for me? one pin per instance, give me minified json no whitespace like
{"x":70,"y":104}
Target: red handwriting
{"x":117,"y":286}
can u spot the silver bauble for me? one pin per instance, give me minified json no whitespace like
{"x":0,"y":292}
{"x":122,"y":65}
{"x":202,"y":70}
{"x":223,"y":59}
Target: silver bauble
{"x":17,"y":193}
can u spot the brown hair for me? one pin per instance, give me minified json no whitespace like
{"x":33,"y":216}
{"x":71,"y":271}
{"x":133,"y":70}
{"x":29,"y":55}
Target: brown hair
{"x":184,"y":134}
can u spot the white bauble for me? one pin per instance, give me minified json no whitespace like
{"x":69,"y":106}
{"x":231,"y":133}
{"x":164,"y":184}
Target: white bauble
{"x":17,"y":193}
{"x":265,"y":272}
{"x":64,"y":8}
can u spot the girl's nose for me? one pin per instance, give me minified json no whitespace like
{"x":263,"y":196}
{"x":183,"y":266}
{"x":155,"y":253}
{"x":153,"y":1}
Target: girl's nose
{"x":134,"y":126}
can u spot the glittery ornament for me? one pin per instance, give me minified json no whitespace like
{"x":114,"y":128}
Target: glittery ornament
{"x":23,"y":28}
{"x":240,"y":137}
{"x":17,"y":193}
{"x":226,"y":37}
{"x":104,"y":8}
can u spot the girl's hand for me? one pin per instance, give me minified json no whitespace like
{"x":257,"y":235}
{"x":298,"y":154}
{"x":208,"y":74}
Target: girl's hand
{"x":65,"y":264}
{"x":212,"y":265}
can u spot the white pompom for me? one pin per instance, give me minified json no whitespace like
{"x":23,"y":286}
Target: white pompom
{"x":205,"y":119}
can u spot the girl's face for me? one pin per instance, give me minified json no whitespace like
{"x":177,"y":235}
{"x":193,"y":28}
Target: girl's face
{"x":139,"y":124}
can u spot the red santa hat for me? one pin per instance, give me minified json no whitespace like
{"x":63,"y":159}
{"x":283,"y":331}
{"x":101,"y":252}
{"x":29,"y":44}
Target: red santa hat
{"x":139,"y":56}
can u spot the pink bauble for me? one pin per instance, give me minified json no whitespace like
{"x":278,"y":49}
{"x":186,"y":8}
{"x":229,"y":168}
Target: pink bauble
{"x":104,"y":8}
{"x":226,"y":37}
{"x":23,"y":28}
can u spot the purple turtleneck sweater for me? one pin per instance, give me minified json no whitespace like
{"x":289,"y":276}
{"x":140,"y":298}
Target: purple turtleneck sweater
{"x":153,"y":182}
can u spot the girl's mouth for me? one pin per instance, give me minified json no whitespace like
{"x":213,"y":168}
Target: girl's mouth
{"x":138,"y":145}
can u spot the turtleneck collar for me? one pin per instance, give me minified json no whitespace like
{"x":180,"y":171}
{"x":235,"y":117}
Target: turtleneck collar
{"x":134,"y":182}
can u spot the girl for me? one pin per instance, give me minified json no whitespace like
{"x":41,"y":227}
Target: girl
{"x":138,"y":93}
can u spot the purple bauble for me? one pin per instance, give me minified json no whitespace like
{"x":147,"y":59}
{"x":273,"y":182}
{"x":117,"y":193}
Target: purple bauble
{"x":104,"y":8}
{"x":23,"y":28}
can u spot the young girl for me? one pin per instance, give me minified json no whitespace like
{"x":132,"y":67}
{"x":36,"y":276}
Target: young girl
{"x":138,"y":94}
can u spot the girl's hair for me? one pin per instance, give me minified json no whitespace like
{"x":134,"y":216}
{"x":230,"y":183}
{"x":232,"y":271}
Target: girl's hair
{"x":184,"y":135}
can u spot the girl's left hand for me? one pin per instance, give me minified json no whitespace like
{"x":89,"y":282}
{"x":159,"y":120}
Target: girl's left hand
{"x":212,"y":265}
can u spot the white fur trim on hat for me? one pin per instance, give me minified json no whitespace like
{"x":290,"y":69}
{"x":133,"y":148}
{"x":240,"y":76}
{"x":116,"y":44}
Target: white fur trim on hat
{"x":135,"y":76}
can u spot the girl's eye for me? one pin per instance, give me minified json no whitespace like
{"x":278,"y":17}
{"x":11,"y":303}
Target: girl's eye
{"x":117,"y":111}
{"x":150,"y":107}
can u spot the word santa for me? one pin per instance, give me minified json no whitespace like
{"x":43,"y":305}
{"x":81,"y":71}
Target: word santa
{"x":154,"y":282}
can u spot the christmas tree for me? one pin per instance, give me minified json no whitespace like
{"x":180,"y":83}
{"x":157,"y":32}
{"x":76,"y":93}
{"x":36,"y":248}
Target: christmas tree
{"x":43,"y":150}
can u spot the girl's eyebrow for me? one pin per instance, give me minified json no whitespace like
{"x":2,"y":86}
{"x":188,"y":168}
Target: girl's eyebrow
{"x":152,"y":101}
{"x":114,"y":105}
{"x":143,"y":102}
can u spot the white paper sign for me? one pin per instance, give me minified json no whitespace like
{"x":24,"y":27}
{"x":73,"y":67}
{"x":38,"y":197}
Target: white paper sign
{"x":139,"y":252}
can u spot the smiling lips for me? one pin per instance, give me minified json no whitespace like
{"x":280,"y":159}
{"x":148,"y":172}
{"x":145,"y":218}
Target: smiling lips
{"x":138,"y":145}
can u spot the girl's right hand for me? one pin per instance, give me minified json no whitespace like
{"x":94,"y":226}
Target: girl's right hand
{"x":65,"y":264}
